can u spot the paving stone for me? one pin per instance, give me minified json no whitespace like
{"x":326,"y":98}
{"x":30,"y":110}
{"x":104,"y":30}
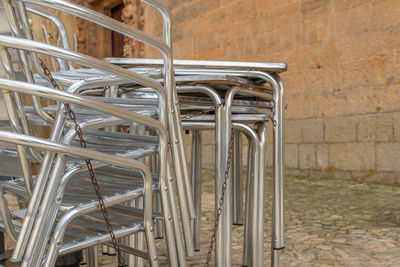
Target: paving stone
{"x":396,"y":120}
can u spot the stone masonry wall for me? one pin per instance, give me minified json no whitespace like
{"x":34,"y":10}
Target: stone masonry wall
{"x":342,"y":86}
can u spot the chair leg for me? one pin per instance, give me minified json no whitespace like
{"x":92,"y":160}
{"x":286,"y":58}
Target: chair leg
{"x":168,"y":220}
{"x":151,"y":245}
{"x":184,"y":205}
{"x":274,"y":257}
{"x":196,"y":185}
{"x":223,"y":237}
{"x":175,"y":215}
{"x":247,"y":219}
{"x":262,"y":133}
{"x":92,"y":259}
{"x":139,"y":237}
{"x":237,"y":198}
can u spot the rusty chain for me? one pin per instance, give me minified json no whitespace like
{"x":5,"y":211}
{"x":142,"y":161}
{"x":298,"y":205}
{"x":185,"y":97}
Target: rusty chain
{"x":205,"y":111}
{"x":88,"y":162}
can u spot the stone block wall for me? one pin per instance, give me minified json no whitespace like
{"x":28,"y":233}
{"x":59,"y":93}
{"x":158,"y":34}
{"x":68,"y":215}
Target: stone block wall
{"x":357,"y":147}
{"x":343,"y":82}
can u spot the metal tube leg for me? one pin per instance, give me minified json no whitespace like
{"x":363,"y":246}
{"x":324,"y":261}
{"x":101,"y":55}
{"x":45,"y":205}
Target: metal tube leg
{"x":168,"y":221}
{"x":182,"y":195}
{"x":92,"y":259}
{"x":177,"y":226}
{"x":196,"y":184}
{"x":278,"y":241}
{"x":275,"y":257}
{"x":151,"y":246}
{"x":253,"y":223}
{"x":131,"y":240}
{"x":139,"y":237}
{"x":182,"y":155}
{"x":14,"y":122}
{"x":46,"y":215}
{"x":249,"y":183}
{"x":159,"y":229}
{"x":237,"y":198}
{"x":124,"y":241}
{"x":223,"y":240}
{"x":259,"y":248}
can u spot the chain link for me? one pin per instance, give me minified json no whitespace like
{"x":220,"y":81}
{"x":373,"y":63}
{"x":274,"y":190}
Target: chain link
{"x":222,"y":198}
{"x":96,"y":187}
{"x":205,"y":111}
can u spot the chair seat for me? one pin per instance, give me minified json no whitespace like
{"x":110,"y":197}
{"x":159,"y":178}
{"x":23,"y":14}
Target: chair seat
{"x":78,"y":190}
{"x":124,"y":219}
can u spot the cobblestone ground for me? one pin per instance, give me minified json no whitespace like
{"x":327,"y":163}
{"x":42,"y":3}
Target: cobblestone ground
{"x":328,"y":223}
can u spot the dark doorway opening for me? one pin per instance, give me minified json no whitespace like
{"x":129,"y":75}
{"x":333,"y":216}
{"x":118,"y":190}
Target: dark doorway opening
{"x":117,"y":38}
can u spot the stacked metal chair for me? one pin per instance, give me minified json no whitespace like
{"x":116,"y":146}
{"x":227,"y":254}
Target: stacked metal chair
{"x":242,"y":96}
{"x":39,"y":217}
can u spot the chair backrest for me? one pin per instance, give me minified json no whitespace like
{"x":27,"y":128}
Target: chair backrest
{"x":16,"y":25}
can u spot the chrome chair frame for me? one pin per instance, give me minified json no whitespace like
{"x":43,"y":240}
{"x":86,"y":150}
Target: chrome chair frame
{"x":164,"y":47}
{"x":46,"y":49}
{"x":62,"y":96}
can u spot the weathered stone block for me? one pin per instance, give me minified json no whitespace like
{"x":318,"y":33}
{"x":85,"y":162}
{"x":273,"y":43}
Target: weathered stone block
{"x":207,"y":6}
{"x":372,"y":128}
{"x":388,"y":157}
{"x":322,"y":156}
{"x":293,"y":131}
{"x":340,"y":129}
{"x":352,"y":156}
{"x":208,"y":137}
{"x":307,"y":156}
{"x":396,"y":121}
{"x":313,"y":130}
{"x":313,"y":8}
{"x":186,"y":12}
{"x":292,"y":156}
